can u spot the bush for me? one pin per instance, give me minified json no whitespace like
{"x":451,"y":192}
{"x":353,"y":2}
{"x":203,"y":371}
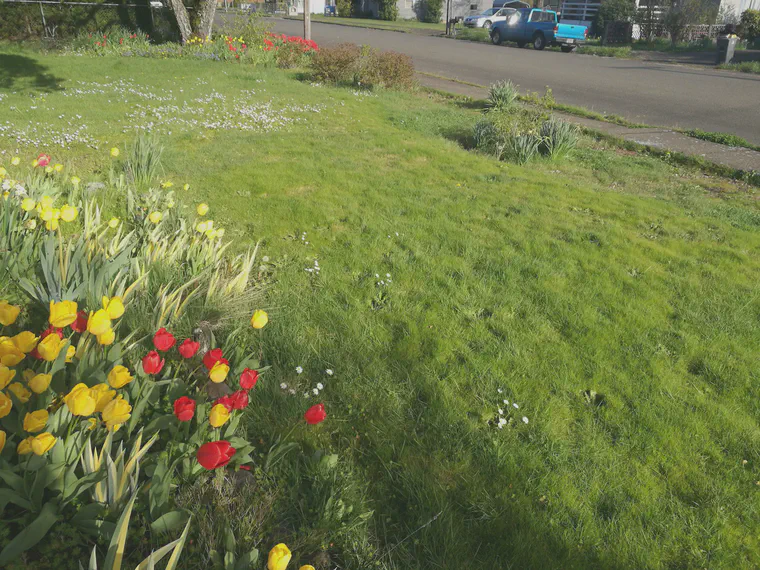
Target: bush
{"x":363,"y":66}
{"x":344,"y":8}
{"x":557,"y":138}
{"x":613,"y":11}
{"x":502,"y":95}
{"x":388,"y":10}
{"x":431,"y":11}
{"x":749,"y":25}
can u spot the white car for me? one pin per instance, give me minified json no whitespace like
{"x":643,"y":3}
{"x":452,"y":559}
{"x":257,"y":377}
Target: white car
{"x":488,"y":17}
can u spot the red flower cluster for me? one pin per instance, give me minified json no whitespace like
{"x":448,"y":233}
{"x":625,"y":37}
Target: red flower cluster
{"x":215,"y":454}
{"x":315,"y":414}
{"x":282,"y":39}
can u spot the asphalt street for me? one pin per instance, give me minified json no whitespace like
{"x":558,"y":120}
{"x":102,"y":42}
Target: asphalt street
{"x":667,"y":95}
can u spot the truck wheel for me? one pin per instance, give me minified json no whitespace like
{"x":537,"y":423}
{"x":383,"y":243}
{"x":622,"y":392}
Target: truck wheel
{"x":539,"y":42}
{"x":487,"y":25}
{"x":495,"y":37}
{"x":567,"y":49}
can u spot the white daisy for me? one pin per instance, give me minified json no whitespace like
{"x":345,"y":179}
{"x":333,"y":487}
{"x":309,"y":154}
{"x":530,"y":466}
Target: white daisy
{"x":299,"y":369}
{"x":329,"y":372}
{"x":284,"y":386}
{"x":320,"y":386}
{"x":515,"y":406}
{"x":525,"y":420}
{"x":501,"y":412}
{"x":315,"y":391}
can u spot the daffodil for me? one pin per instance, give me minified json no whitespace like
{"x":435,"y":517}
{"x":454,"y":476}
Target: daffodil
{"x":202,"y":209}
{"x":15,"y":161}
{"x":58,"y":167}
{"x":28,"y":204}
{"x":167,"y":184}
{"x":114,"y":152}
{"x":68,"y":213}
{"x":75,"y":180}
{"x":155,"y":217}
{"x":113,"y":223}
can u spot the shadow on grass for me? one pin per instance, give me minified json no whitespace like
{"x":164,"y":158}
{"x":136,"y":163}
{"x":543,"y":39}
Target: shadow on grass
{"x":19,"y":72}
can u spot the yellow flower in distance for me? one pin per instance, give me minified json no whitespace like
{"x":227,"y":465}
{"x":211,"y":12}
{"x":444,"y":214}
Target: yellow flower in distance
{"x":116,"y":412}
{"x":218,"y":416}
{"x":15,"y":161}
{"x":259,"y":319}
{"x":119,"y":376}
{"x":63,"y":313}
{"x":25,"y":341}
{"x":114,"y":152}
{"x":201,"y":227}
{"x":218,"y":372}
{"x":167,"y":184}
{"x":279,"y":557}
{"x":30,"y":224}
{"x":103,"y":396}
{"x":70,"y":353}
{"x":8,"y":313}
{"x":6,"y":375}
{"x":75,"y":180}
{"x":202,"y":209}
{"x":113,"y":223}
{"x":58,"y":167}
{"x":50,"y":346}
{"x":307,"y":567}
{"x":28,"y":204}
{"x":3,"y":437}
{"x":99,"y":322}
{"x":6,"y":405}
{"x":35,"y":421}
{"x":3,"y":172}
{"x":113,"y":306}
{"x":40,"y":382}
{"x":80,"y":401}
{"x":186,"y":187}
{"x":69,"y":213}
{"x":52,"y":225}
{"x":43,"y":443}
{"x":107,"y":338}
{"x":25,"y":446}
{"x":48,"y":169}
{"x":155,"y":217}
{"x":45,"y":202}
{"x":220,"y":232}
{"x":20,"y":392}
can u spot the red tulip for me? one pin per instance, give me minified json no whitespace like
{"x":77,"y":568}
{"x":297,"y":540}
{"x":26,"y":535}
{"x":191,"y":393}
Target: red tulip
{"x":43,"y":159}
{"x":152,"y":363}
{"x":188,"y":348}
{"x":315,"y":414}
{"x":184,"y":409}
{"x":48,"y":331}
{"x":163,"y":340}
{"x":239,"y":400}
{"x":248,"y":379}
{"x":80,"y":325}
{"x":212,"y":357}
{"x":225,"y":401}
{"x":215,"y":454}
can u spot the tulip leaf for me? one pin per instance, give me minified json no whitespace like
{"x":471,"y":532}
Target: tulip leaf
{"x":170,"y":521}
{"x":12,"y":480}
{"x":115,"y":553}
{"x":230,"y":544}
{"x":8,"y":496}
{"x":247,"y":560}
{"x":159,"y":423}
{"x":71,"y":491}
{"x":60,"y":360}
{"x":180,"y":544}
{"x":139,"y":408}
{"x":229,"y":560}
{"x":31,"y":535}
{"x":45,"y":476}
{"x":231,"y":427}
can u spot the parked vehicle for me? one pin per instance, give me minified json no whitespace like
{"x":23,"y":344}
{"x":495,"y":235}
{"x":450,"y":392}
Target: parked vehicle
{"x":516,"y":4}
{"x":488,"y":17}
{"x":540,"y":28}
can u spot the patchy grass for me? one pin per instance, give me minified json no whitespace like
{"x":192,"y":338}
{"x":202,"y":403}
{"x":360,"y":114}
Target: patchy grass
{"x":395,"y":25}
{"x":744,"y":67}
{"x":611,"y":295}
{"x":721,"y":138}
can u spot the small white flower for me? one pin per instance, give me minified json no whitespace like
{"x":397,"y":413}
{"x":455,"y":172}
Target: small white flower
{"x":299,"y":369}
{"x":525,"y":420}
{"x":315,"y":392}
{"x":305,"y":394}
{"x":506,"y":402}
{"x":284,"y":386}
{"x":329,"y":372}
{"x":501,"y":426}
{"x":515,"y":406}
{"x":292,"y":391}
{"x":265,"y":258}
{"x":319,"y":386}
{"x":377,"y":276}
{"x":387,"y":274}
{"x":499,"y":390}
{"x":501,"y":412}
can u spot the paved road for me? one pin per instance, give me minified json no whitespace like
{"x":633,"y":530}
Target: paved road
{"x":646,"y":92}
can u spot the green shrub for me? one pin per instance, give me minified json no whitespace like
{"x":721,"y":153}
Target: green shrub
{"x":389,"y":69}
{"x":521,"y":147}
{"x":613,"y":11}
{"x":749,"y":25}
{"x":344,"y":8}
{"x":502,"y":95}
{"x":337,"y":64}
{"x":363,"y":66}
{"x":431,"y":11}
{"x":388,"y":10}
{"x":557,"y":138}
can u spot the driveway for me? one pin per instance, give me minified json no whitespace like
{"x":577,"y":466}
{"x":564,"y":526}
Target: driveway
{"x":647,"y":92}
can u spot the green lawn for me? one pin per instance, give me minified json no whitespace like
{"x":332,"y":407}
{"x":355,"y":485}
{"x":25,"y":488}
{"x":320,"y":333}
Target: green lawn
{"x":612,"y":296}
{"x":397,"y":25}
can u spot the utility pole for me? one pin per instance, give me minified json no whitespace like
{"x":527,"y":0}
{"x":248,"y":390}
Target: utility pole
{"x":306,"y":20}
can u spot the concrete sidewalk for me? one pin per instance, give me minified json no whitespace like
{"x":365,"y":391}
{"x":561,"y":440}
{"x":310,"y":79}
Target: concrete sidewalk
{"x":658,"y":138}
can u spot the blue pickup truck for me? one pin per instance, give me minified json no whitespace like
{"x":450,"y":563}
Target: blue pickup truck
{"x":540,"y":28}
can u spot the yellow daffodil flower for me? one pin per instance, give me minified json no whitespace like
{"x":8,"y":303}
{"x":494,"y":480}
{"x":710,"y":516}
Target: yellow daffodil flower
{"x":80,"y":401}
{"x":40,"y":382}
{"x":8,"y":313}
{"x":20,"y":392}
{"x":43,"y":443}
{"x":35,"y":421}
{"x":63,"y":313}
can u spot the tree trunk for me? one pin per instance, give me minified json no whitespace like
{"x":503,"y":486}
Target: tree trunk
{"x":183,"y":21}
{"x":208,"y":9}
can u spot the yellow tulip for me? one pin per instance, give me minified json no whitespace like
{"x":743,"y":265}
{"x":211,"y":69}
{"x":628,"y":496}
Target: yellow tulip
{"x":27,"y":204}
{"x":52,"y":225}
{"x":155,"y":217}
{"x":30,"y":224}
{"x":307,"y":567}
{"x":75,"y":180}
{"x":201,"y":227}
{"x":20,"y":392}
{"x":10,"y":355}
{"x":43,"y":443}
{"x":103,"y":396}
{"x":80,"y":401}
{"x":116,"y":412}
{"x":63,"y":313}
{"x":25,"y":341}
{"x":46,"y":202}
{"x":15,"y":161}
{"x":119,"y":376}
{"x":8,"y":313}
{"x":50,"y":347}
{"x":3,"y":437}
{"x":58,"y":167}
{"x":219,"y":415}
{"x":218,"y":372}
{"x":6,"y":375}
{"x":34,"y":163}
{"x":70,"y":354}
{"x":113,"y":306}
{"x":69,"y":213}
{"x":48,"y":169}
{"x":28,"y":374}
{"x":259,"y":319}
{"x":6,"y":405}
{"x":167,"y":184}
{"x":25,"y":446}
{"x":99,"y":322}
{"x":114,"y":152}
{"x":40,"y":382}
{"x":113,"y":223}
{"x":35,"y":421}
{"x":202,"y":209}
{"x":186,"y":187}
{"x":107,"y":338}
{"x":279,"y":557}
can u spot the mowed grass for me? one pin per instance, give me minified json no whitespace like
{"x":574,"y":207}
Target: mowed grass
{"x":396,"y":25}
{"x":608,"y":272}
